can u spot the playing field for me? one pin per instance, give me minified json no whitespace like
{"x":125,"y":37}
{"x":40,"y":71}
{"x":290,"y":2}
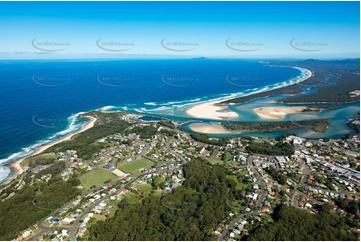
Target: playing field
{"x":133,"y":167}
{"x":96,"y":178}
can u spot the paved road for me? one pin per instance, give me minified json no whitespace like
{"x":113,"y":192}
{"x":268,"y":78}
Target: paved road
{"x":232,"y":224}
{"x":214,"y":153}
{"x":72,"y":229}
{"x":306,"y":171}
{"x":263,"y":185}
{"x":258,"y":204}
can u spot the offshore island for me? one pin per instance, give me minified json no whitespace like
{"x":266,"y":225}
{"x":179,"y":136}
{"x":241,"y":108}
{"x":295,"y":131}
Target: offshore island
{"x":278,"y":164}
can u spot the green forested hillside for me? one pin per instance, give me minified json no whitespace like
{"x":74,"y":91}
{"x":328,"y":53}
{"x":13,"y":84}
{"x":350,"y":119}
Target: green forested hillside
{"x":191,"y":212}
{"x":294,"y":224}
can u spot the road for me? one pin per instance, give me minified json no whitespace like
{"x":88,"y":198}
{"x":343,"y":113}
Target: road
{"x":72,"y":229}
{"x":258,"y":204}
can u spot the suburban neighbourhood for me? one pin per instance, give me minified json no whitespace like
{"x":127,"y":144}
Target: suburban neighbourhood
{"x":133,"y":166}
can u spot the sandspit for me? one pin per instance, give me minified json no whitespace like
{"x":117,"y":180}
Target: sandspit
{"x":210,"y":110}
{"x":211,"y":128}
{"x":271,"y":113}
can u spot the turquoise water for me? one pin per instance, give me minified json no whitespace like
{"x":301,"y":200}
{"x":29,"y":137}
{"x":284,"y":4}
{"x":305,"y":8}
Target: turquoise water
{"x":338,"y":120}
{"x":40,"y":99}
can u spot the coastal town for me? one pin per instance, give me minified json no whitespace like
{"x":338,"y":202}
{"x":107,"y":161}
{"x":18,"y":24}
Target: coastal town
{"x":180,"y":120}
{"x":148,"y":157}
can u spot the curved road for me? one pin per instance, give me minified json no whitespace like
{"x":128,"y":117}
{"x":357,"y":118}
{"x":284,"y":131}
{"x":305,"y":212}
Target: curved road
{"x":257,"y":207}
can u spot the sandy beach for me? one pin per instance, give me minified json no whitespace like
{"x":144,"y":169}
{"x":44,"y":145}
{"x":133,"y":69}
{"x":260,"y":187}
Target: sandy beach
{"x":210,"y":110}
{"x":270,"y":113}
{"x":213,"y":128}
{"x":16,"y":165}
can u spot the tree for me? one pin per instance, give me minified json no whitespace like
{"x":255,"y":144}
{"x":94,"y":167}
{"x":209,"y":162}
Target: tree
{"x":190,"y":212}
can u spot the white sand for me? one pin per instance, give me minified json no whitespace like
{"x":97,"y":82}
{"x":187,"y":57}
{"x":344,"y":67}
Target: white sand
{"x":276,"y":112}
{"x":209,"y":110}
{"x":16,"y":165}
{"x":209,"y":128}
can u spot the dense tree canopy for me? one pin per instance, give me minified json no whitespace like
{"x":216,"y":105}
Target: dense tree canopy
{"x":291,"y":223}
{"x":280,"y":148}
{"x":85,"y":143}
{"x":204,"y":138}
{"x":33,"y":203}
{"x":191,"y":212}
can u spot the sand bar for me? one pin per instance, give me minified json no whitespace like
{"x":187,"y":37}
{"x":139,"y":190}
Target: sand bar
{"x":210,"y":110}
{"x":16,"y":165}
{"x":276,"y":112}
{"x":212,"y":128}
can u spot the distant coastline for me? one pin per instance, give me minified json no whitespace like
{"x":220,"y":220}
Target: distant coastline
{"x":209,"y":110}
{"x":215,"y":109}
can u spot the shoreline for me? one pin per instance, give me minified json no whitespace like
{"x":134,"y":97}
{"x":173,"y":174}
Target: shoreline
{"x":217,"y":110}
{"x":213,"y":109}
{"x":211,"y":128}
{"x":16,"y":165}
{"x":276,"y":113}
{"x":210,"y":110}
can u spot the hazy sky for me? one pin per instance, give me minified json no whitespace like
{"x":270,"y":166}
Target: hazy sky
{"x":212,"y":29}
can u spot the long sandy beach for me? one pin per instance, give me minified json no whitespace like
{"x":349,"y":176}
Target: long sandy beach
{"x":212,"y":110}
{"x":16,"y":166}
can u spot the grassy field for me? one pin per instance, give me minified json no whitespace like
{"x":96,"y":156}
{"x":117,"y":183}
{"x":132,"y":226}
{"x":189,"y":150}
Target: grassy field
{"x":134,"y":166}
{"x":96,"y":178}
{"x":216,"y":161}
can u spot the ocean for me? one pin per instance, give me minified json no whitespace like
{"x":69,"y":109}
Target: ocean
{"x":40,"y":99}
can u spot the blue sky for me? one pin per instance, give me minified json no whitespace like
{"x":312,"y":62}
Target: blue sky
{"x":125,"y":29}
